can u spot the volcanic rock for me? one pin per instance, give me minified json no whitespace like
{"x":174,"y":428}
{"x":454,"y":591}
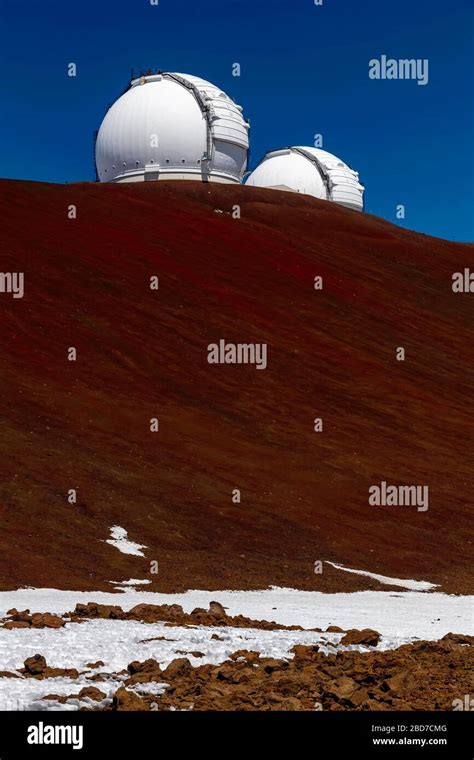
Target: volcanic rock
{"x":46,"y":620}
{"x":141,"y":667}
{"x":177,"y":667}
{"x":458,"y":638}
{"x":93,"y":610}
{"x":23,"y":616}
{"x":127,"y":700}
{"x":92,"y":693}
{"x":342,"y":688}
{"x":217,"y":610}
{"x":401,"y":681}
{"x":367,"y":637}
{"x":15,"y":624}
{"x":247,"y":655}
{"x":35,"y":665}
{"x":304,"y":653}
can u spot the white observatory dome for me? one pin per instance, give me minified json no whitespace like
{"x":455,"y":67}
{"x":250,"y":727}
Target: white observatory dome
{"x":311,"y":171}
{"x":172,"y":126}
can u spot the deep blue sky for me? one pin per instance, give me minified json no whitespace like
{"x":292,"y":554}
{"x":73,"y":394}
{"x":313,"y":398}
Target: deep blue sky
{"x":304,"y":71}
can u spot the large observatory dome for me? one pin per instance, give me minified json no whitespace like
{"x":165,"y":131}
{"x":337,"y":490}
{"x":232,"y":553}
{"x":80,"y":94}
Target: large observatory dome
{"x":311,"y":171}
{"x":172,"y":126}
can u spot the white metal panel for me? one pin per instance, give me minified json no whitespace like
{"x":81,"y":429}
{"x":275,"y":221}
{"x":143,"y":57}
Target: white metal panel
{"x":226,"y":116}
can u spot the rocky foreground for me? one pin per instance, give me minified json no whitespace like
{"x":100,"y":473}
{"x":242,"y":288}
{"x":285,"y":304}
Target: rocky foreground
{"x":424,"y":675}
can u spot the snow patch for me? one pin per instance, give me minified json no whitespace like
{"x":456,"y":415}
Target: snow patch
{"x":131,"y":582}
{"x":27,"y":693}
{"x":119,"y":539}
{"x":153,"y":687}
{"x":407,"y":584}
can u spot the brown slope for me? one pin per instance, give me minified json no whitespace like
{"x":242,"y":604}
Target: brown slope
{"x":141,"y":354}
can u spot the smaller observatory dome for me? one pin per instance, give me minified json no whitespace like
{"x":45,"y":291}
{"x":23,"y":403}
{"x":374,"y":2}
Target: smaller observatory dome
{"x":310,"y":171}
{"x":172,"y":126}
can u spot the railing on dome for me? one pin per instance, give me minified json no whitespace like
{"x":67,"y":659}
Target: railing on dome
{"x":143,"y":73}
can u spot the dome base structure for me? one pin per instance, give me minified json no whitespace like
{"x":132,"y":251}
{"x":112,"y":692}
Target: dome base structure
{"x":311,"y":171}
{"x":154,"y":176}
{"x":170,"y":126}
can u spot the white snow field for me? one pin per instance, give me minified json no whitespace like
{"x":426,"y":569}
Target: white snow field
{"x":400,"y":617}
{"x":403,"y":614}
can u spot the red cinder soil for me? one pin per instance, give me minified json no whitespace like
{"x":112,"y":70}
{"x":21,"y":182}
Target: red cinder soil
{"x":143,"y":354}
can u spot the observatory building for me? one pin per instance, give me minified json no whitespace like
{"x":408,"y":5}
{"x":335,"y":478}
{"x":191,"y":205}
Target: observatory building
{"x":172,"y":126}
{"x":311,"y":171}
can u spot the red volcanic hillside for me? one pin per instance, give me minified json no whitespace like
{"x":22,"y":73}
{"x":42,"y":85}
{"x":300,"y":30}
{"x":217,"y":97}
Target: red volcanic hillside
{"x":142,"y":353}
